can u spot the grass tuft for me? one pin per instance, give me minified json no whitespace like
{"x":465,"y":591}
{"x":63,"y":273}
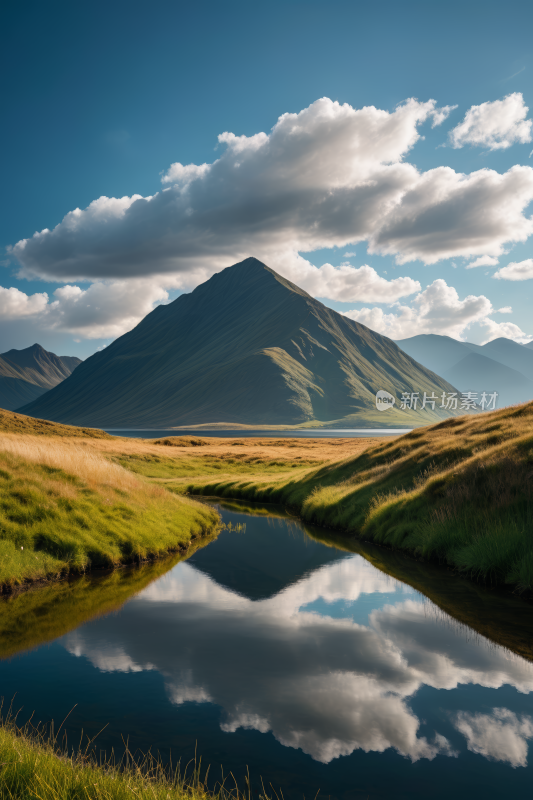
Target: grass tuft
{"x":36,"y":764}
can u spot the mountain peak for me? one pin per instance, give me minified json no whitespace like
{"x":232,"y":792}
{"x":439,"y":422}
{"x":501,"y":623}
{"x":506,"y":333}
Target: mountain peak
{"x":245,"y":346}
{"x":246,"y":275}
{"x":26,"y":374}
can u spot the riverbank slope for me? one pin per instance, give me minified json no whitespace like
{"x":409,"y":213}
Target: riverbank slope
{"x":460,"y":492}
{"x":65,"y":507}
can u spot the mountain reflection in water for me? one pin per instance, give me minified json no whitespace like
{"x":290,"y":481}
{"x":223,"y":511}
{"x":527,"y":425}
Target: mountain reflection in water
{"x":281,"y":635}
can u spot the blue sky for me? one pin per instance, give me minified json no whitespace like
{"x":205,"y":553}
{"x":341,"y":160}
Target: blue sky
{"x":101,"y":99}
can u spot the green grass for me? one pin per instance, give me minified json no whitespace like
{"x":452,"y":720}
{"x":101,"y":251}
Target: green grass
{"x":460,"y":492}
{"x":53,"y":522}
{"x":37,"y":766}
{"x":152,"y":466}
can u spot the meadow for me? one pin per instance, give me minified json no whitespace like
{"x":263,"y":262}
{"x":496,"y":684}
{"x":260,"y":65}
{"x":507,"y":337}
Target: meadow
{"x":458,"y":492}
{"x":65,"y":508}
{"x":74,"y":499}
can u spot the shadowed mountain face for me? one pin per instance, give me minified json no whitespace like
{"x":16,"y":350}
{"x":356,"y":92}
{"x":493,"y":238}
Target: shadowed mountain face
{"x":247,"y":346}
{"x":27,"y":374}
{"x":501,"y":366}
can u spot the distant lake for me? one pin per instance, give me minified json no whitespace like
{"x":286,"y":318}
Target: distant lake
{"x":333,"y":433}
{"x":282,"y":649}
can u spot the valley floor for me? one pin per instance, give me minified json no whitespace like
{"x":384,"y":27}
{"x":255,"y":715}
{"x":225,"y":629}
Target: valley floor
{"x":459,"y":492}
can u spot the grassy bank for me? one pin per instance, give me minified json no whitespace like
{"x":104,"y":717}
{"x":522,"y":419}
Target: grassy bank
{"x":65,"y":507}
{"x":31,"y":618}
{"x":460,"y":492}
{"x":33,"y":766}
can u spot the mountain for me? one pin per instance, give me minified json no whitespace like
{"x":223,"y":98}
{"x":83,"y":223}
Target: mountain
{"x":529,"y":344}
{"x":501,"y":366}
{"x":27,"y":374}
{"x":249,"y":347}
{"x":512,"y":354}
{"x":438,"y":353}
{"x":482,"y":374}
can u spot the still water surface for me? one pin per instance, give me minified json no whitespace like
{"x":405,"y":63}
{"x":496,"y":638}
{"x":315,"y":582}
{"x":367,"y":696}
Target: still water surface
{"x":336,"y":433}
{"x":271,"y":650}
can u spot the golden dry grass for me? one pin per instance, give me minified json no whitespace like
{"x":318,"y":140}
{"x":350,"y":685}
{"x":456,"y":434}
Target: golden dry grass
{"x":65,"y":507}
{"x":178,"y":463}
{"x":84,"y":462}
{"x":10,"y":422}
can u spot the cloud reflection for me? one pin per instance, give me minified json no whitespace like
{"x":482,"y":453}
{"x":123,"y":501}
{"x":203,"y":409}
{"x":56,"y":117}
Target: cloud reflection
{"x":500,"y":736}
{"x":328,"y":686}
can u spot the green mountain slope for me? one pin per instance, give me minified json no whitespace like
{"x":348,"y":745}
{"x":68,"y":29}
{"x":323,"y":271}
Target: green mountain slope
{"x":28,"y":374}
{"x":249,"y":347}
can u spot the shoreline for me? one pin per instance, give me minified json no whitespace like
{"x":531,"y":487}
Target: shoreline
{"x":14,"y":590}
{"x":458,"y":492}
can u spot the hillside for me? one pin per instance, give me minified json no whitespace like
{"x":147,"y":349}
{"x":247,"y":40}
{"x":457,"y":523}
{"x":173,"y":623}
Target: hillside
{"x":247,"y":346}
{"x":458,"y":492}
{"x":11,"y":422}
{"x":27,"y":374}
{"x":501,"y":366}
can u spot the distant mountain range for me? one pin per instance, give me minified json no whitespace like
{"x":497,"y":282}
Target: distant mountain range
{"x":247,"y":347}
{"x":501,"y":366}
{"x":27,"y":374}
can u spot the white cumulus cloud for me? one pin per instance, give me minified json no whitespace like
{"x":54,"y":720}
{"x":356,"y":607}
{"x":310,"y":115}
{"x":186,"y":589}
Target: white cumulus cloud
{"x":516,"y":271}
{"x":330,"y":175}
{"x":344,"y":283}
{"x":506,"y":330}
{"x":483,"y":261}
{"x":500,"y":736}
{"x":441,"y":114}
{"x":105,"y":309}
{"x":438,"y":309}
{"x":15,"y":304}
{"x":496,"y":125}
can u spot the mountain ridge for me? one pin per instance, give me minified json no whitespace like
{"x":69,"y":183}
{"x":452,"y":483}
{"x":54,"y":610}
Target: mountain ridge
{"x":27,"y":374}
{"x":246,"y":346}
{"x":502,"y":365}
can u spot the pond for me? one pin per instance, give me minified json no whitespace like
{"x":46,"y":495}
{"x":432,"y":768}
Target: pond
{"x":317,"y":662}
